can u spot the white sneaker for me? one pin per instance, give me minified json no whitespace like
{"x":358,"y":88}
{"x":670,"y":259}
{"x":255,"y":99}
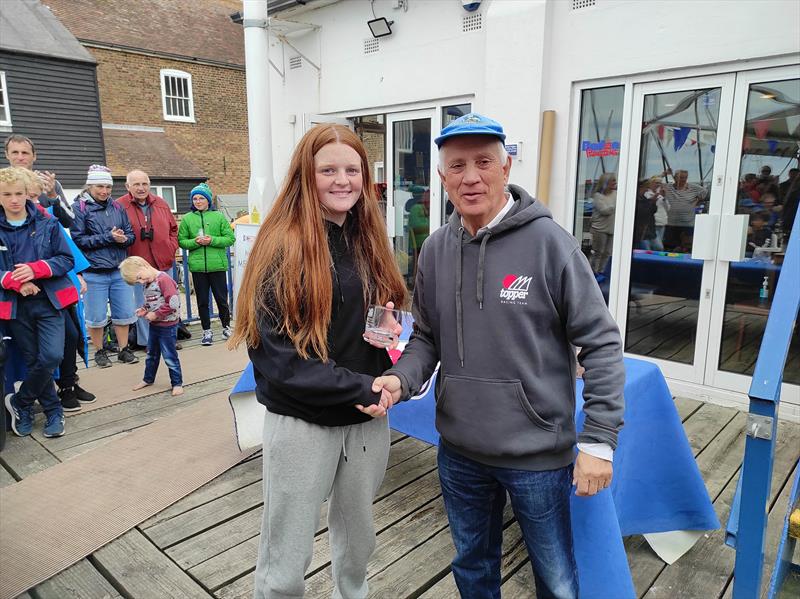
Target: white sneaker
{"x":208,"y":337}
{"x":227,"y":332}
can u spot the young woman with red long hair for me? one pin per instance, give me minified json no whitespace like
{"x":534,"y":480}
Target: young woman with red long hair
{"x":321,"y":258}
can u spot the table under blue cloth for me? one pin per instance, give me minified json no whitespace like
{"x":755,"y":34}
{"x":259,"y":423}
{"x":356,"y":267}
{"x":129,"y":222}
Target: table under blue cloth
{"x":657,"y":486}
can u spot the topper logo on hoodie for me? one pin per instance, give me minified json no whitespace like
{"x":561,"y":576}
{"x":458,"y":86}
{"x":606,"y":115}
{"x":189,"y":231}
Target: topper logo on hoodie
{"x":515,"y":287}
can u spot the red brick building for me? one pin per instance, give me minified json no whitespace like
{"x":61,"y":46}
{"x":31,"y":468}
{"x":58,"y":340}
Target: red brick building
{"x":172,"y":90}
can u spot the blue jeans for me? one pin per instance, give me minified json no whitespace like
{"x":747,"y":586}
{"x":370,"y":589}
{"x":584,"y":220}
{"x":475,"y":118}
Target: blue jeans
{"x":162,"y":343}
{"x":102,"y":289}
{"x":474,"y":497}
{"x":142,"y":324}
{"x":38,"y":332}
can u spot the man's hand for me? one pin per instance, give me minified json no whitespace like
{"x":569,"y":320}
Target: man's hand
{"x":22,"y":273}
{"x":379,"y":410}
{"x":389,"y":384}
{"x":82,"y":281}
{"x":150,"y":316}
{"x":118,"y":235}
{"x":205,"y":240}
{"x":28,"y":289}
{"x":590,"y":475}
{"x":140,"y":312}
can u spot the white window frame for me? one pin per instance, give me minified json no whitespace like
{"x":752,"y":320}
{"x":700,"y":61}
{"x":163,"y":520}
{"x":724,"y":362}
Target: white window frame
{"x":165,"y":73}
{"x":157,"y":190}
{"x":5,"y":114}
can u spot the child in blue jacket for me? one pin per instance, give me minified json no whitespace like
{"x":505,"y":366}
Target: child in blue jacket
{"x":34,"y":291}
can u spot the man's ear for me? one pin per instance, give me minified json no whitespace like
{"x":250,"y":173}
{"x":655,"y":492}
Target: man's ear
{"x":507,"y":168}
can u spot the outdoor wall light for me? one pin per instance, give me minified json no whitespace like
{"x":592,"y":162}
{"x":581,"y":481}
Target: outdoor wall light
{"x":380,"y":27}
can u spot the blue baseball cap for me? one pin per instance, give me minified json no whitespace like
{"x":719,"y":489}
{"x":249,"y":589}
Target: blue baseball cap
{"x":471,"y":124}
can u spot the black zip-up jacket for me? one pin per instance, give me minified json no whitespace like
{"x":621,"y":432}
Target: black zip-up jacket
{"x":309,"y":389}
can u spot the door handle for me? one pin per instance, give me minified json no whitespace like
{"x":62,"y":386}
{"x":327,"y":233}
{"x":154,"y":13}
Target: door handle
{"x":733,"y":237}
{"x":704,"y":243}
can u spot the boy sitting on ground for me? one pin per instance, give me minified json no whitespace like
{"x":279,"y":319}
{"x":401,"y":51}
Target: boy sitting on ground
{"x":161,"y":308}
{"x":34,"y":291}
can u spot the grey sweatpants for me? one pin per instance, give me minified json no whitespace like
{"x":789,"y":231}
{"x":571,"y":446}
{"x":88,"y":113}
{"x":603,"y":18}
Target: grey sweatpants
{"x":303,"y":465}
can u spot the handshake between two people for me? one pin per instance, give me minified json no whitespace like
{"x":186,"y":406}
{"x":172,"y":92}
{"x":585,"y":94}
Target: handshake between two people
{"x":390,"y":389}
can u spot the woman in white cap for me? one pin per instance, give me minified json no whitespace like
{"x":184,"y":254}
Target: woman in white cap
{"x":102,"y":231}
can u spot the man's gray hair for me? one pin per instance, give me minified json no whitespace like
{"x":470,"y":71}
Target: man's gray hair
{"x":136,"y":170}
{"x":503,"y":154}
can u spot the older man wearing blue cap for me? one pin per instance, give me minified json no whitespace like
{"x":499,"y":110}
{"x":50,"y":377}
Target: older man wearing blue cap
{"x":503,"y":296}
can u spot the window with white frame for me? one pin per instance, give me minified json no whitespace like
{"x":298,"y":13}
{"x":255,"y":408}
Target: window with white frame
{"x":176,"y":96}
{"x":5,"y":111}
{"x":168,"y":193}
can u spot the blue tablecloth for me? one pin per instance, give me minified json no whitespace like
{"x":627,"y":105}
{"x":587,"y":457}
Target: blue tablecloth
{"x":657,"y":486}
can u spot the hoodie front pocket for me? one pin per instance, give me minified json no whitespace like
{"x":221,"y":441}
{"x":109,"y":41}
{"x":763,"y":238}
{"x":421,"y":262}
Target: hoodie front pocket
{"x":491,"y":417}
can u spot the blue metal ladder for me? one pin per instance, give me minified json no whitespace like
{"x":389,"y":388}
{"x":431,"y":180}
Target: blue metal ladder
{"x":747,"y":525}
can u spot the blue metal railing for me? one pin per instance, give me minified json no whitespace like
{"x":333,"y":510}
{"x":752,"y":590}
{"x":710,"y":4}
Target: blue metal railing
{"x":748,"y":520}
{"x":187,"y":291}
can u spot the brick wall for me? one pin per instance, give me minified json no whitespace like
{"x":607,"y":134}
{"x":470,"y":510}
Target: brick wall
{"x":130,"y":94}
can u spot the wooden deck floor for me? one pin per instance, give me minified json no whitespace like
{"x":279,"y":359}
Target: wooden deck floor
{"x":205,"y":545}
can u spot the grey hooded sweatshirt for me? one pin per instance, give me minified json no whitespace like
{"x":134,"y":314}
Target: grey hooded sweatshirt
{"x":502,"y":312}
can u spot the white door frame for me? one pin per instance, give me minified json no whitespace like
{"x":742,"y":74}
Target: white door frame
{"x":714,"y":376}
{"x":435,"y":215}
{"x":695,"y":371}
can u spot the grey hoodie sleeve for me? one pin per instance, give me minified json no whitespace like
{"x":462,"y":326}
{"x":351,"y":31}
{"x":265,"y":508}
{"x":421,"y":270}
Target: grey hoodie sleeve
{"x":419,"y":358}
{"x":589,"y":325}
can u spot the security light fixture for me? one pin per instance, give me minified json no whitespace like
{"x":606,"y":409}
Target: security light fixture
{"x":380,"y":27}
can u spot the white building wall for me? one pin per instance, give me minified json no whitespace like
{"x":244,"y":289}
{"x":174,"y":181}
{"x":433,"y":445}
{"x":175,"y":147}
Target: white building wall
{"x":524,"y":60}
{"x":663,"y":38}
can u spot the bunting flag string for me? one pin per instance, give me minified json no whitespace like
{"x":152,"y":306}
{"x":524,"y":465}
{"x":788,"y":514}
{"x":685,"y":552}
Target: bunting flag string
{"x":681,"y":133}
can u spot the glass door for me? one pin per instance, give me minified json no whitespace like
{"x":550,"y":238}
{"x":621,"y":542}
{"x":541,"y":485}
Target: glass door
{"x":762,"y":191}
{"x":672,"y":202}
{"x":413,"y":204}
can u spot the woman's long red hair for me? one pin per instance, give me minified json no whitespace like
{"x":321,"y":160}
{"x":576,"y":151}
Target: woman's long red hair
{"x":288,"y":272}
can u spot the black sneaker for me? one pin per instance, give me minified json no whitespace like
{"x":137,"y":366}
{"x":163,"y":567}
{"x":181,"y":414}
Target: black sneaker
{"x":83,"y":395}
{"x":101,"y":358}
{"x":69,"y":400}
{"x":126,"y":356}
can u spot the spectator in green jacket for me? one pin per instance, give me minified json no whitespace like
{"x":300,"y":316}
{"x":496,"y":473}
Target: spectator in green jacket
{"x":206,"y":233}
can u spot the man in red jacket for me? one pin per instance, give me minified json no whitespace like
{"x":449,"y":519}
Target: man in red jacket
{"x":155,"y":231}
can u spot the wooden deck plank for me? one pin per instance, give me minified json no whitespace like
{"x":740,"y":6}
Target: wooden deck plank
{"x":718,"y":464}
{"x":686,"y":407}
{"x":5,"y":477}
{"x":206,"y":516}
{"x":136,"y":565}
{"x":81,"y":581}
{"x":705,"y":569}
{"x":410,"y":533}
{"x":221,"y":555}
{"x":388,"y":511}
{"x":122,"y":420}
{"x":705,"y":424}
{"x":23,"y":456}
{"x":241,"y":475}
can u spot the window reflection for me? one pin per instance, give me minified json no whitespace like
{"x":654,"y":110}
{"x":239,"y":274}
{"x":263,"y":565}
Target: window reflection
{"x":676,"y":162}
{"x":768,"y":192}
{"x":596,"y":185}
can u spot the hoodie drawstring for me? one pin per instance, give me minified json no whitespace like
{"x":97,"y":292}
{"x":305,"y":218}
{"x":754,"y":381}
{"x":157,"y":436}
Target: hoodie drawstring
{"x":344,"y":439}
{"x":459,"y":307}
{"x":481,"y":256}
